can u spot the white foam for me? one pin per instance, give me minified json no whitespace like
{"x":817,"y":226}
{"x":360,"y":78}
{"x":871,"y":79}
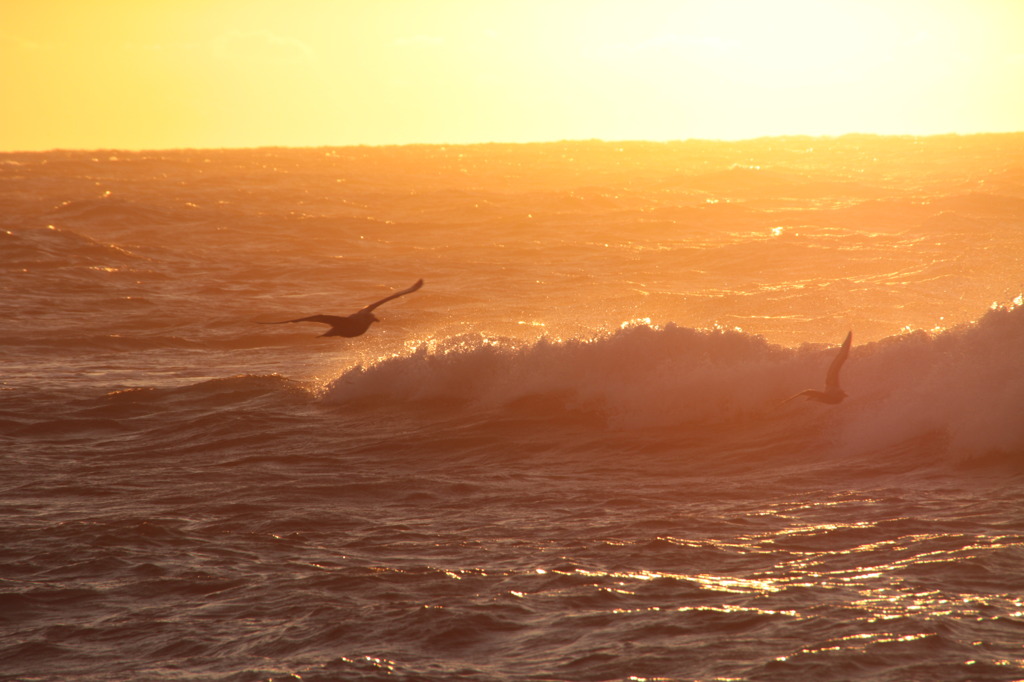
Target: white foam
{"x":965,"y":384}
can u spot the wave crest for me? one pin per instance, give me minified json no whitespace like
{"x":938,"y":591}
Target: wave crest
{"x":965,"y":384}
{"x":636,"y":376}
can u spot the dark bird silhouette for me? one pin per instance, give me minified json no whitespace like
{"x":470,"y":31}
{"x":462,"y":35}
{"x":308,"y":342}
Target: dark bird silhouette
{"x":832,"y":393}
{"x":355,"y":324}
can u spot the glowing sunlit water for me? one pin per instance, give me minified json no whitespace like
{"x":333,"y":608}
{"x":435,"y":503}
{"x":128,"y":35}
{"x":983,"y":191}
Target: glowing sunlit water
{"x":565,"y":457}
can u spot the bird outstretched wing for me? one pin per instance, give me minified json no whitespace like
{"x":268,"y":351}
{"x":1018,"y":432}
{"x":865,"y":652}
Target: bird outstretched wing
{"x":832,"y":378}
{"x":395,"y":295}
{"x":808,"y":392}
{"x":326,"y":319}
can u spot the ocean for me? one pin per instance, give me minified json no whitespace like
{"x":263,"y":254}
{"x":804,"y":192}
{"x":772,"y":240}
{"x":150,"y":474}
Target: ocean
{"x":569,"y":456}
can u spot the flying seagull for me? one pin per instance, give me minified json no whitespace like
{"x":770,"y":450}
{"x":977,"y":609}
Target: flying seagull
{"x":832,"y":393}
{"x":355,"y":324}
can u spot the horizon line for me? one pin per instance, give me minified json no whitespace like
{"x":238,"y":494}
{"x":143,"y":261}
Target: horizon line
{"x":391,"y":145}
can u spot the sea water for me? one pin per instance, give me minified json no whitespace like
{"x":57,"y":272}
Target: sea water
{"x":566,"y":457}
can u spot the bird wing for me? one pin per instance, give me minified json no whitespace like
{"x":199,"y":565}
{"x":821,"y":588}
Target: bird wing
{"x":326,"y":319}
{"x":832,"y":378}
{"x":794,"y":397}
{"x":403,"y":292}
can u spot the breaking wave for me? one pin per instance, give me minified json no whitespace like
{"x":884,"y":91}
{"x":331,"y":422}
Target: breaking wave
{"x":961,"y":387}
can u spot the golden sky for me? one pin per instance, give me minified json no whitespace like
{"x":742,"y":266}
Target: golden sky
{"x":154,"y":74}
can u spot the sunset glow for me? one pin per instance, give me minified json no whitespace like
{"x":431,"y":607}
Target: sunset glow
{"x":230,"y":73}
